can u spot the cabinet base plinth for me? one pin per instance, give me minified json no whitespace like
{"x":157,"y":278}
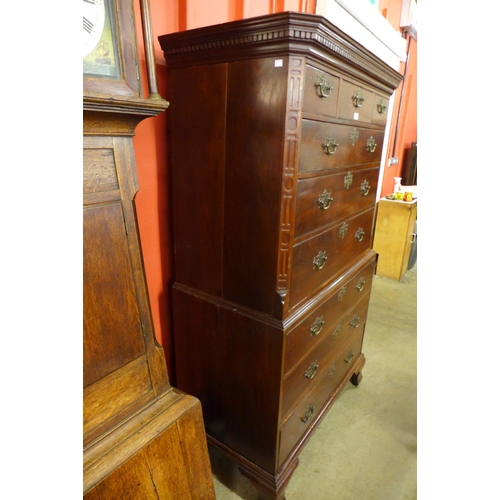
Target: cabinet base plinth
{"x":270,"y":487}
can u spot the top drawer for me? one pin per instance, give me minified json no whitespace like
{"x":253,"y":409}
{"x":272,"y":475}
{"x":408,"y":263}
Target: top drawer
{"x":356,"y":102}
{"x":321,"y":92}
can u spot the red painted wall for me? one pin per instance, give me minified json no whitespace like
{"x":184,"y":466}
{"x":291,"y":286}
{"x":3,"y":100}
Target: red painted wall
{"x":407,"y":127}
{"x":151,"y":145}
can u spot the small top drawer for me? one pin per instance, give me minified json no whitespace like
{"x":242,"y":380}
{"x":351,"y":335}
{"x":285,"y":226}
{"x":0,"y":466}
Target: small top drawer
{"x":356,"y":102}
{"x":322,"y":200}
{"x":321,"y":92}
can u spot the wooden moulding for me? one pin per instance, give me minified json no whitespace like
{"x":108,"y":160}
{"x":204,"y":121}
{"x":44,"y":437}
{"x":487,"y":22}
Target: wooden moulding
{"x":156,"y":451}
{"x":306,"y":34}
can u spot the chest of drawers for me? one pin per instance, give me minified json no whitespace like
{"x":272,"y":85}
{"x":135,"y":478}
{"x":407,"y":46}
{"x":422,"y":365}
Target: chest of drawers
{"x":277,"y":125}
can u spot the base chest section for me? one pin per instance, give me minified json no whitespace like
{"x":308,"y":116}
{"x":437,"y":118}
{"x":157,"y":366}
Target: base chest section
{"x":265,"y":385}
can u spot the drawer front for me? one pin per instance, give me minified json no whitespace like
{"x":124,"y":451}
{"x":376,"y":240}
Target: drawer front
{"x":322,"y":200}
{"x":323,"y":321}
{"x":318,"y":260}
{"x":356,"y":102}
{"x":307,"y":411}
{"x":329,"y":145}
{"x":380,"y":110}
{"x":319,"y":361}
{"x":321,"y":92}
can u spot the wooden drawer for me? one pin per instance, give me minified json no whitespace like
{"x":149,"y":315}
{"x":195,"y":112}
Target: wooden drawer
{"x":310,"y":407}
{"x":321,"y":92}
{"x":320,"y":323}
{"x":318,"y":260}
{"x":355,"y":145}
{"x":322,"y":200}
{"x":319,"y":361}
{"x":356,"y":102}
{"x":380,"y":110}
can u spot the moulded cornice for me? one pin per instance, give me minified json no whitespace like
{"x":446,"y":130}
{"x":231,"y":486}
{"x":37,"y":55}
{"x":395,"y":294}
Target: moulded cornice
{"x":276,"y":34}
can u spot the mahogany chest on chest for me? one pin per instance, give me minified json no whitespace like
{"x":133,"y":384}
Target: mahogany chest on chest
{"x":277,"y":126}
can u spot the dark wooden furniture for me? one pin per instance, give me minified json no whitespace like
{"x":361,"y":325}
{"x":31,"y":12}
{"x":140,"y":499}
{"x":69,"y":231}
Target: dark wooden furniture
{"x":142,"y":438}
{"x":276,"y":138}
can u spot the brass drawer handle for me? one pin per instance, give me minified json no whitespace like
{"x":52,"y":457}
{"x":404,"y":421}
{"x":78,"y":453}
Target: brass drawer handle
{"x":359,"y":234}
{"x":330,"y":145}
{"x":323,"y":86}
{"x":355,"y":321}
{"x":371,"y":144}
{"x":325,"y":200}
{"x":336,"y":332}
{"x":308,"y":414}
{"x":365,"y":187}
{"x":349,"y":357}
{"x":360,"y":284}
{"x":311,"y":371}
{"x":343,"y":229}
{"x":320,"y":260}
{"x":358,"y":99}
{"x":382,"y":107}
{"x":317,"y":325}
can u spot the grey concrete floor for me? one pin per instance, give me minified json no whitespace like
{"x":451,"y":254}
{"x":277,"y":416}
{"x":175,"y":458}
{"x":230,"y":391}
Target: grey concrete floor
{"x":366,"y":446}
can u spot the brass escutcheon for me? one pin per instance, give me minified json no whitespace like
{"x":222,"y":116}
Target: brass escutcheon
{"x":341,"y":293}
{"x":365,"y":187}
{"x":336,"y":332}
{"x":331,"y":371}
{"x":353,"y":136}
{"x":343,"y":229}
{"x":348,"y":180}
{"x":354,"y":321}
{"x":325,"y":200}
{"x":323,"y":86}
{"x":317,"y":325}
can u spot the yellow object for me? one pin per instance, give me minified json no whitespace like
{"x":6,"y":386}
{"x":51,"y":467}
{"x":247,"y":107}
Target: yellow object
{"x":394,"y":236}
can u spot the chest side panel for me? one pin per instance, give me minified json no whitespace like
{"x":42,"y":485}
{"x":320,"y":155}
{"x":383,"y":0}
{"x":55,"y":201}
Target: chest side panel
{"x":254,"y":162}
{"x":198,"y":113}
